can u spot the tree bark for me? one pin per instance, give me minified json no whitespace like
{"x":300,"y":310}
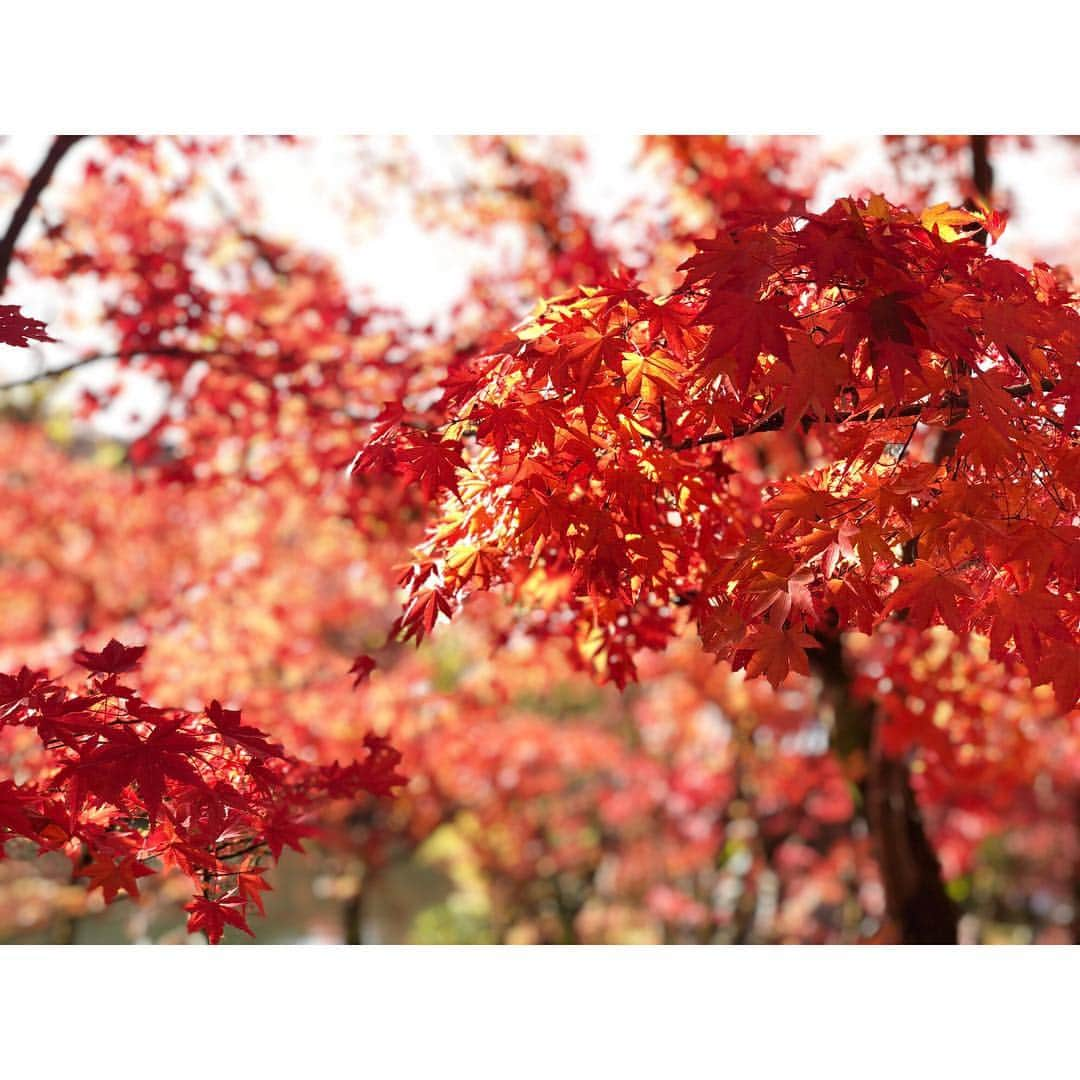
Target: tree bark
{"x":916,"y":902}
{"x":915,"y":897}
{"x":982,"y":172}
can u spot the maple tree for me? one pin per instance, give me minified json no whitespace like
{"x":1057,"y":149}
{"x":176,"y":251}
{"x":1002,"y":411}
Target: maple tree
{"x":933,"y":384}
{"x":837,"y":446}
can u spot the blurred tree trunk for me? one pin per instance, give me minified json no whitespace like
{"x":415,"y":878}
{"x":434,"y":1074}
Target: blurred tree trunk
{"x":352,"y":911}
{"x":915,"y":896}
{"x":352,"y":915}
{"x":916,"y":902}
{"x":982,"y":172}
{"x":66,"y":930}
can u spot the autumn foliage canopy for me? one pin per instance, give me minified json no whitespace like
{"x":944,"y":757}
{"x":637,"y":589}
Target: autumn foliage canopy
{"x":737,"y":532}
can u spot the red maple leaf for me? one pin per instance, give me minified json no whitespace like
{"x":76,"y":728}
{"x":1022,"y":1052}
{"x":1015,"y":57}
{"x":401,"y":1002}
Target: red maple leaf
{"x":433,"y":462}
{"x":174,"y":850}
{"x":776,"y":652}
{"x":925,"y":590}
{"x":744,"y":327}
{"x":227,"y":724}
{"x":212,"y":916}
{"x":66,"y":720}
{"x":19,"y":330}
{"x":14,"y":688}
{"x":114,"y":659}
{"x":13,"y":804}
{"x":280,"y":831}
{"x":249,"y":884}
{"x":588,"y":350}
{"x":111,"y":877}
{"x":422,"y":613}
{"x":362,"y":668}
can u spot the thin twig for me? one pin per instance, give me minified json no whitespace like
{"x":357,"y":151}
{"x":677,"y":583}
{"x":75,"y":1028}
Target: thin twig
{"x":53,"y":373}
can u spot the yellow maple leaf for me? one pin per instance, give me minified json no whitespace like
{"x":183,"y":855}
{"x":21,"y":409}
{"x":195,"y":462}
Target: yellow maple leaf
{"x":947,"y":220}
{"x":646,"y":376}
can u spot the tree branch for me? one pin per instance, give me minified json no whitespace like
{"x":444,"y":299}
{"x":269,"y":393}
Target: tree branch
{"x":38,"y":182}
{"x":982,"y":172}
{"x":775,"y":421}
{"x":982,"y":177}
{"x":54,"y":373}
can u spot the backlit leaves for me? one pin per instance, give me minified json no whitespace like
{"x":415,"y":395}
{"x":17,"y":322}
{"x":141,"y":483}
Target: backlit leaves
{"x":893,"y":344}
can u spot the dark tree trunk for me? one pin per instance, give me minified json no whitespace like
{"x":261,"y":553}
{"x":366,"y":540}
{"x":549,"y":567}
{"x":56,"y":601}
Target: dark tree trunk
{"x":916,"y":901}
{"x":66,"y":931}
{"x":982,"y":176}
{"x":982,"y":172}
{"x":915,"y":897}
{"x":352,"y":917}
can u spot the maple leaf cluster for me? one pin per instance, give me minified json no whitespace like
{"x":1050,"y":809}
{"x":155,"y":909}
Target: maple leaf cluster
{"x":127,"y":789}
{"x":255,"y":344}
{"x":590,"y":448}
